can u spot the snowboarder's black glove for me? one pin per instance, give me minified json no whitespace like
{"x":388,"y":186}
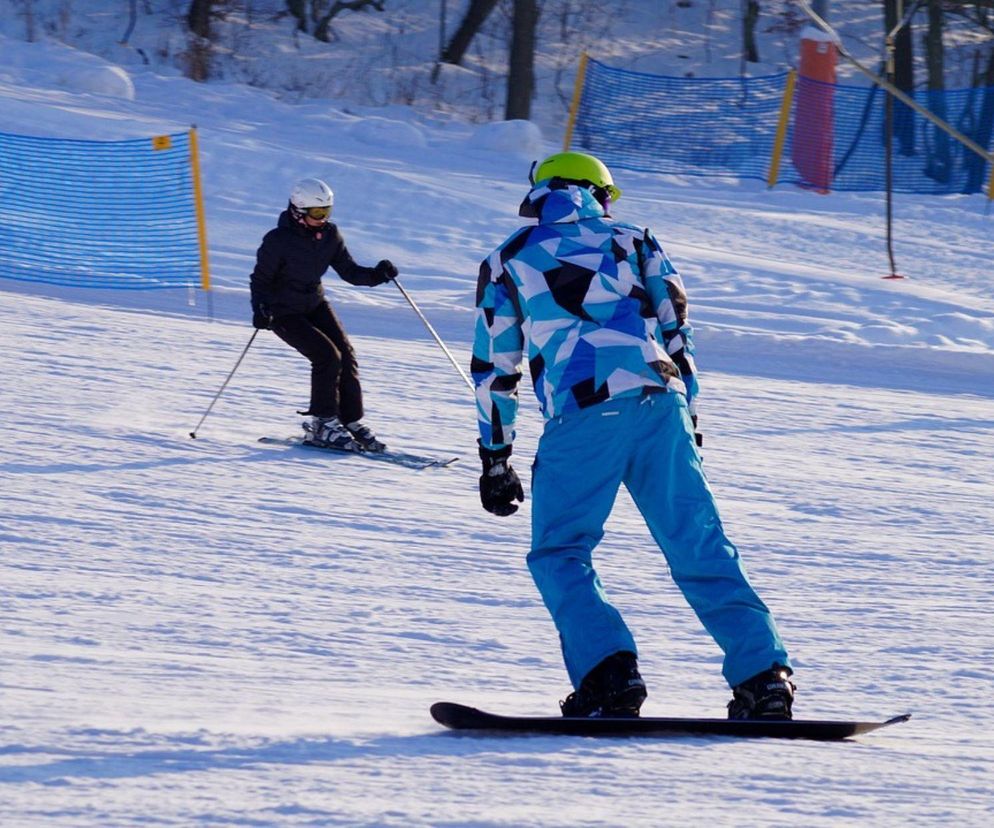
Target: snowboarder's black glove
{"x":385,"y":271}
{"x":499,"y":484}
{"x":261,"y":320}
{"x":698,"y":437}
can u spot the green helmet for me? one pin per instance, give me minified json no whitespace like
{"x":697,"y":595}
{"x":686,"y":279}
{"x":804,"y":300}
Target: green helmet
{"x":577,"y":166}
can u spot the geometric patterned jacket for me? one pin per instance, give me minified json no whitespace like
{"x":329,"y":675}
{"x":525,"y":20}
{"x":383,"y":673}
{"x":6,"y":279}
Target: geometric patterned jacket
{"x":597,"y":304}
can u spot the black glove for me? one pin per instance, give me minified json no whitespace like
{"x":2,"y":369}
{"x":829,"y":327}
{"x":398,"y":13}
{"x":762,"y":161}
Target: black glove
{"x":261,"y":320}
{"x":698,"y":437}
{"x":385,"y":271}
{"x":499,"y":484}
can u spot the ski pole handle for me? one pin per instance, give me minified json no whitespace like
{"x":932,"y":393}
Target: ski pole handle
{"x":438,"y":339}
{"x":193,"y":433}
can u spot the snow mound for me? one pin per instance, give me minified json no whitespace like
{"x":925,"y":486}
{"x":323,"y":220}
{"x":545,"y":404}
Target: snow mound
{"x":384,"y":131}
{"x":51,"y":64}
{"x":109,"y":80}
{"x":521,"y":137}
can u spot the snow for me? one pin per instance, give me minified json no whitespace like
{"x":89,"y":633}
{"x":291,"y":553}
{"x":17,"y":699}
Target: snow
{"x":216,"y":632}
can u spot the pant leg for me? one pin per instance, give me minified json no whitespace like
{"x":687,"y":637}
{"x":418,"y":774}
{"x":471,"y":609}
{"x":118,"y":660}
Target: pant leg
{"x":299,"y":332}
{"x":668,"y":485}
{"x":350,"y":406}
{"x":576,"y":476}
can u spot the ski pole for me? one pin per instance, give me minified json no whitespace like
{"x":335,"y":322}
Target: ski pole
{"x":438,"y":339}
{"x":193,"y":433}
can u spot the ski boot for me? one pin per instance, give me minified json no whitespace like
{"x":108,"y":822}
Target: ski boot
{"x":613,"y":688}
{"x":767,"y":695}
{"x":364,"y":436}
{"x":329,"y":432}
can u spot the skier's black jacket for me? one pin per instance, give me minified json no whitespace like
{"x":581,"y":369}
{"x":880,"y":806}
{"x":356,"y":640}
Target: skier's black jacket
{"x":291,"y":261}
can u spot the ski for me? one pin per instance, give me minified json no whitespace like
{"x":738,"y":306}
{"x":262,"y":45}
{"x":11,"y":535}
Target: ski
{"x":461,"y":717}
{"x":398,"y":458}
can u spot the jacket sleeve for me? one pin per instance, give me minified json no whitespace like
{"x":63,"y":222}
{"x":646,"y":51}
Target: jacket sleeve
{"x":497,"y":355}
{"x":268,"y":265}
{"x":669,"y":298}
{"x":345,"y":266}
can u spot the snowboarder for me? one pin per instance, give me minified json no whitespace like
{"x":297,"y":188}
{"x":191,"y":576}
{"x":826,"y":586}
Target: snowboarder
{"x":288,"y":298}
{"x":603,"y":315}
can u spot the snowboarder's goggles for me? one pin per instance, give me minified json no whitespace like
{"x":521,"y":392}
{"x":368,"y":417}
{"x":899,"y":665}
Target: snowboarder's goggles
{"x":317,"y":212}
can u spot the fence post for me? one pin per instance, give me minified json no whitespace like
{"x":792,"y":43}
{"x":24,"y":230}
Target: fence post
{"x":581,"y":72}
{"x":788,"y":99}
{"x":198,"y":203}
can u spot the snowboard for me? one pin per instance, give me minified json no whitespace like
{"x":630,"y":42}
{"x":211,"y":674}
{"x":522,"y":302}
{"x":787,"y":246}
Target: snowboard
{"x":398,"y":458}
{"x":461,"y":717}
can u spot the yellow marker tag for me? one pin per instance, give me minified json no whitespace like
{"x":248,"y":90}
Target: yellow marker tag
{"x":162,"y":142}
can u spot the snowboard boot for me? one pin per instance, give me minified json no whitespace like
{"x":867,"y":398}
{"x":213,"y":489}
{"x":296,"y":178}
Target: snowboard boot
{"x":613,"y":688}
{"x":364,"y":436}
{"x":767,"y":695}
{"x":329,"y":433}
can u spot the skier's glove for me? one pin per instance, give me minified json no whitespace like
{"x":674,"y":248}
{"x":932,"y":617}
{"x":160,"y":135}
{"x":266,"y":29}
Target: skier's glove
{"x":698,"y":437}
{"x":385,"y":271}
{"x":261,"y":320}
{"x":499,"y":484}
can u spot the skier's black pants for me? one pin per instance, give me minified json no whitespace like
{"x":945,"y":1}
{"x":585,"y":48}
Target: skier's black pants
{"x":320,"y":337}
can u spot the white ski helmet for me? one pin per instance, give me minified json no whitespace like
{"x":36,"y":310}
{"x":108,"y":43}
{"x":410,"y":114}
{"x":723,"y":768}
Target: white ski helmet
{"x":311,"y":192}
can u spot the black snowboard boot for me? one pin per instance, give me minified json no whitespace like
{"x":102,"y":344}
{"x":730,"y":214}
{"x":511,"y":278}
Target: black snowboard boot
{"x":767,"y":695}
{"x":613,"y":688}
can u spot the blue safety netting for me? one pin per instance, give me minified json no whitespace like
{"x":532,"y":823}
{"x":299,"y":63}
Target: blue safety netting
{"x":102,"y":214}
{"x":728,"y":126}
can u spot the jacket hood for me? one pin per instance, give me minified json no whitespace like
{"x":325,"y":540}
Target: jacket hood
{"x":553,"y":202}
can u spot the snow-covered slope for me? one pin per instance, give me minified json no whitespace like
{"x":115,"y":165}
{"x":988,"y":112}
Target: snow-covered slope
{"x":217,"y":632}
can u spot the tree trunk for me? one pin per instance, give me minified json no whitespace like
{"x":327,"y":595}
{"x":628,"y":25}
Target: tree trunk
{"x":521,"y":64}
{"x":749,"y":21}
{"x":298,"y":8}
{"x":904,"y":76}
{"x":199,"y":53}
{"x":938,"y":164}
{"x":934,"y":50}
{"x":977,"y":172}
{"x":476,"y":15}
{"x":198,"y":18}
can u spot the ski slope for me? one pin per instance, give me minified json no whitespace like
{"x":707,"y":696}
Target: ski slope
{"x":217,"y":632}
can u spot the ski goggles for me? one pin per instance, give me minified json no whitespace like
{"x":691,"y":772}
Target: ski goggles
{"x":317,"y":212}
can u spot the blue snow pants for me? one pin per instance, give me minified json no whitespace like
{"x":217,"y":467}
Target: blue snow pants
{"x":647,"y":443}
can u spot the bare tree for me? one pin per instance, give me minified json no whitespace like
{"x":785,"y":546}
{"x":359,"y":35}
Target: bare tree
{"x":939,"y":161}
{"x":979,"y":14}
{"x":315,"y":16}
{"x":904,"y":76}
{"x":200,"y":50}
{"x":28,"y":13}
{"x":750,"y":18}
{"x":476,"y":15}
{"x":198,"y":17}
{"x":521,"y":63}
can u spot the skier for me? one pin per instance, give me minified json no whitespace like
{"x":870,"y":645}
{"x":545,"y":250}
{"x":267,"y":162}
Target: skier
{"x":603,"y":314}
{"x":288,"y":298}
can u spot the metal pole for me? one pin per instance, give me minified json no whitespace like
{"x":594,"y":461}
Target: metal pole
{"x":193,"y":433}
{"x":889,"y":152}
{"x":438,"y":339}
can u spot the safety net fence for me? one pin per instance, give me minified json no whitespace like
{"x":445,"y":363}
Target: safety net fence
{"x":102,"y":214}
{"x":835,"y":136}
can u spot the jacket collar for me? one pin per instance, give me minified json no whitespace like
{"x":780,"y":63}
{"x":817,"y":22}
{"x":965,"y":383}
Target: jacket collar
{"x":558,"y":203}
